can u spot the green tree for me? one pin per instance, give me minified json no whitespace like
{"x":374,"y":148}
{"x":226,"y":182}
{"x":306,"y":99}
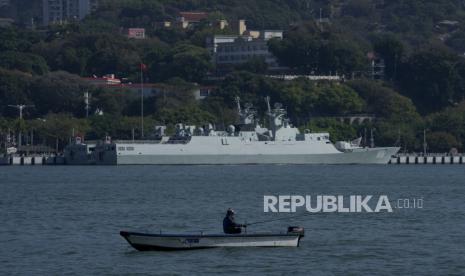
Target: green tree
{"x":120,"y":127}
{"x":450,"y":120}
{"x":430,"y":78}
{"x":312,"y":50}
{"x":89,"y":54}
{"x":58,"y":92}
{"x":385,"y":102}
{"x":189,"y":62}
{"x":398,"y":122}
{"x":338,"y":100}
{"x":442,"y":142}
{"x":19,"y":40}
{"x":115,"y":101}
{"x":338,"y":131}
{"x":25,"y":62}
{"x":391,"y":49}
{"x":57,"y":129}
{"x":14,"y":89}
{"x":359,"y":8}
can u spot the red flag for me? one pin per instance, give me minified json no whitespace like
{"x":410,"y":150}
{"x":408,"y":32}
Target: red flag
{"x":143,"y":67}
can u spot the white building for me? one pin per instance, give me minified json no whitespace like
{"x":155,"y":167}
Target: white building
{"x":236,"y":49}
{"x":60,"y":11}
{"x":269,"y":34}
{"x":230,"y":50}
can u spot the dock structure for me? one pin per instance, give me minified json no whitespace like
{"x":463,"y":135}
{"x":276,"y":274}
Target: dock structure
{"x":395,"y":160}
{"x":436,"y":159}
{"x":32,"y":160}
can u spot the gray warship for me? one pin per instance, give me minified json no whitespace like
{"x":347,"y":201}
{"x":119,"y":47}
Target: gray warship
{"x":245,"y":143}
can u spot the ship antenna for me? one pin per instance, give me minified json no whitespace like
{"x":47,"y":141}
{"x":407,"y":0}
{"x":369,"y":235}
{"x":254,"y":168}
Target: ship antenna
{"x":270,"y":117}
{"x":238,"y":102}
{"x":267,"y":100}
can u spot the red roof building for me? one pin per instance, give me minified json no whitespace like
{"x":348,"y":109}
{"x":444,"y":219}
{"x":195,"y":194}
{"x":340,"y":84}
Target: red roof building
{"x":105,"y":80}
{"x":136,"y":33}
{"x":188,"y":18}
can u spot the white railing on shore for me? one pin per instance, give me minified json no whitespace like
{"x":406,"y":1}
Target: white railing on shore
{"x":310,"y":77}
{"x":432,"y":154}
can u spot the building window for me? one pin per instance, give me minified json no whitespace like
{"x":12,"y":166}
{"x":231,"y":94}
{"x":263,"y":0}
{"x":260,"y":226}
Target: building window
{"x":204,"y":92}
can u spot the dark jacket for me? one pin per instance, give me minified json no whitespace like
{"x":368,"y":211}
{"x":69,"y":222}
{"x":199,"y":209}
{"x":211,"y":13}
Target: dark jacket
{"x":230,"y":226}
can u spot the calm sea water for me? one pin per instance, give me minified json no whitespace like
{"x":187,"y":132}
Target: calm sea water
{"x":66,"y":220}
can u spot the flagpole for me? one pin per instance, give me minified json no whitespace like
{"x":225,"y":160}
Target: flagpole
{"x":141,"y":100}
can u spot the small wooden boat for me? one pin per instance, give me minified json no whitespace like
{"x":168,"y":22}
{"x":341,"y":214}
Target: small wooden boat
{"x":145,"y":242}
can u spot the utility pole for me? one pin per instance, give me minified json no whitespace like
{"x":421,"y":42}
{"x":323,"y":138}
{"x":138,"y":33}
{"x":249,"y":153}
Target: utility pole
{"x":267,"y":101}
{"x":372,"y":140}
{"x":398,"y":138}
{"x":424,"y":142}
{"x":32,"y":139}
{"x":365,"y":137}
{"x":20,"y":107}
{"x":7,"y":138}
{"x":87,"y":102}
{"x":373,"y":69}
{"x":142,"y":67}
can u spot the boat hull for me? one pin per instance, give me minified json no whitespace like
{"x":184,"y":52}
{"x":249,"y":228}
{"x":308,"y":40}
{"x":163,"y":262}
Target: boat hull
{"x":360,"y":156}
{"x":147,"y":242}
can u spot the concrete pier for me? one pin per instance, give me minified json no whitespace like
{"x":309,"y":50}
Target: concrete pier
{"x":32,"y":160}
{"x":16,"y":160}
{"x":27,"y":160}
{"x":429,"y":159}
{"x":38,"y":160}
{"x":411,"y":159}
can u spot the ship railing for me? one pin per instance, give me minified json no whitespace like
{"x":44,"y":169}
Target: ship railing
{"x":137,"y":141}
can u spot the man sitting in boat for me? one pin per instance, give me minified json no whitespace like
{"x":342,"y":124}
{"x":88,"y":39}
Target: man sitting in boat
{"x":229,"y":225}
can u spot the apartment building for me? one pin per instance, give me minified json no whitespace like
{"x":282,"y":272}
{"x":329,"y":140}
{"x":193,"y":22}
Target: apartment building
{"x":61,"y":11}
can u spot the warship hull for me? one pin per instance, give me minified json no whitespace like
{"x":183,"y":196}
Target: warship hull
{"x":380,"y":155}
